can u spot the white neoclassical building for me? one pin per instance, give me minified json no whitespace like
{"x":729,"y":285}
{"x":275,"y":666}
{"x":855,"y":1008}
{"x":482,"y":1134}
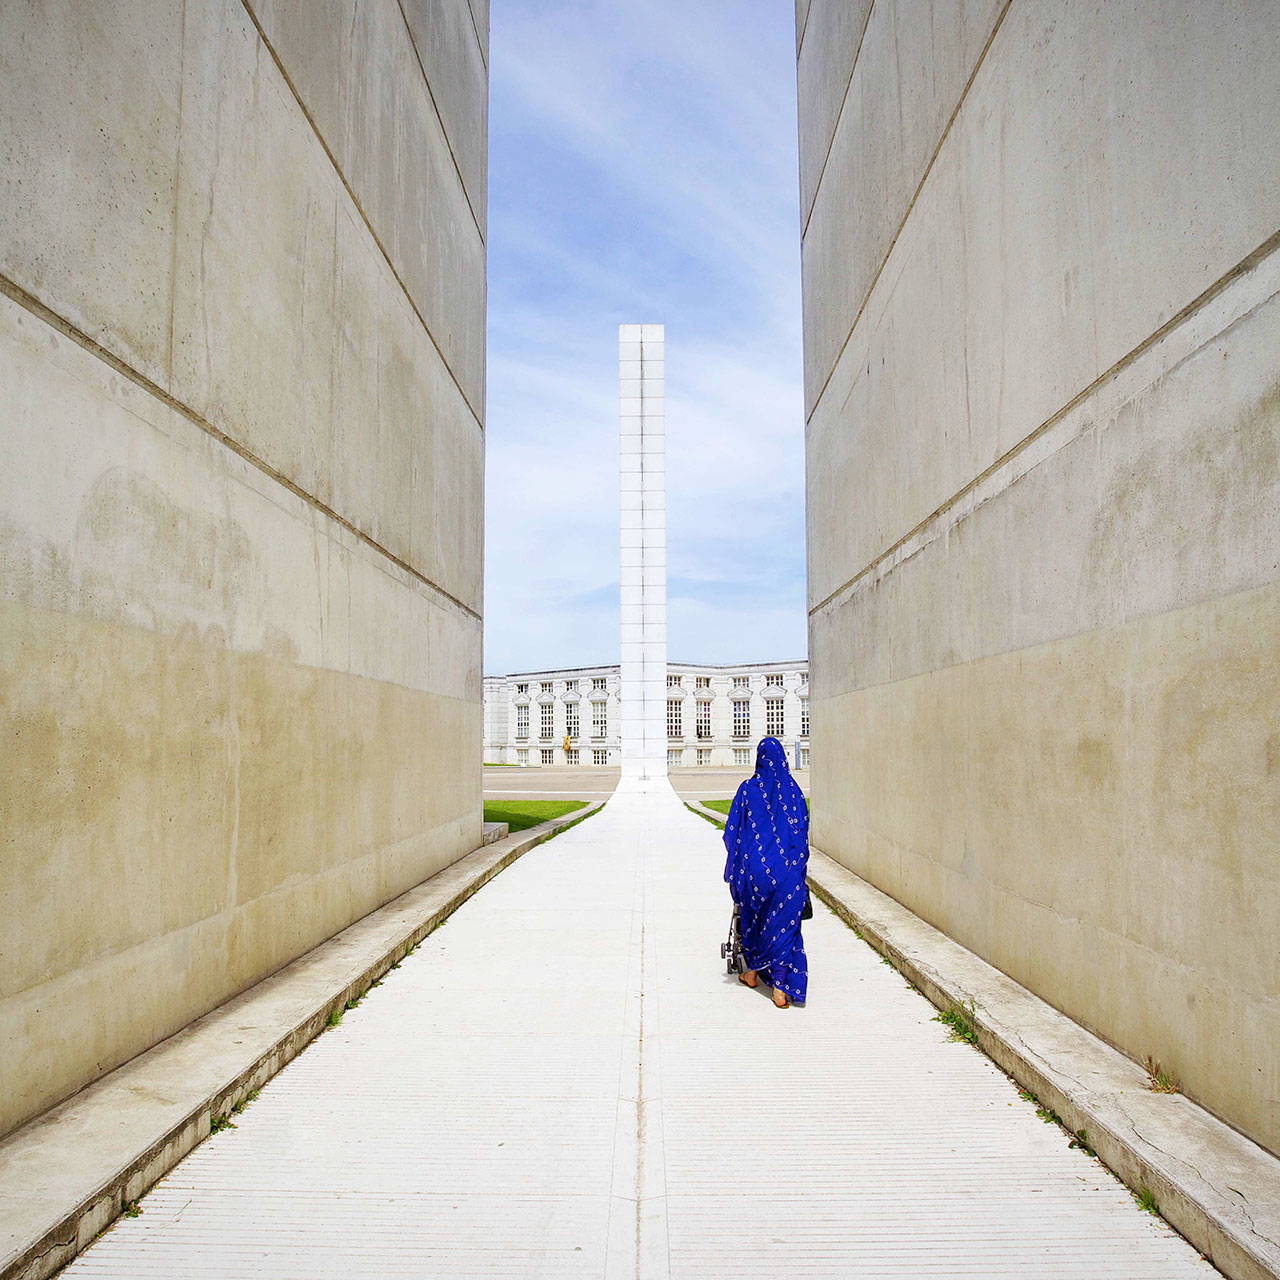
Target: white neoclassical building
{"x":715,"y":715}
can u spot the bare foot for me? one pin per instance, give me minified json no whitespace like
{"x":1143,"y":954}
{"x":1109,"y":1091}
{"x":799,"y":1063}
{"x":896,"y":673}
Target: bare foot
{"x":780,"y":999}
{"x":748,"y":978}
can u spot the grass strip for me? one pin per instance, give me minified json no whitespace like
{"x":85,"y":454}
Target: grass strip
{"x":706,"y":817}
{"x":519,"y":815}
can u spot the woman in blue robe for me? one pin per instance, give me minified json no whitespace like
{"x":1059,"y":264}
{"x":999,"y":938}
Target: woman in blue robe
{"x":767,"y":836}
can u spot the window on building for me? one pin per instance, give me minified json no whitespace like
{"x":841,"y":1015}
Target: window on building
{"x":773,"y":680}
{"x":673,"y":682}
{"x":804,"y":717}
{"x":571,"y":756}
{"x":804,"y":757}
{"x":742,"y":755}
{"x":702,"y":682}
{"x":571,"y":719}
{"x":571,"y":686}
{"x":773,"y":717}
{"x":522,"y":755}
{"x":522,"y":688}
{"x":548,"y":755}
{"x":675,"y":757}
{"x":547,"y":712}
{"x":704,"y":755}
{"x":599,"y":719}
{"x":546,"y":686}
{"x":741,"y":718}
{"x":597,"y":684}
{"x":704,"y":719}
{"x":675,"y":726}
{"x":739,"y":682}
{"x":522,"y":721}
{"x":599,"y":755}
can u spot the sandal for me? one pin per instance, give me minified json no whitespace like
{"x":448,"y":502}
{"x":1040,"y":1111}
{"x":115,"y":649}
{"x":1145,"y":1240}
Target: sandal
{"x":780,"y":999}
{"x":742,"y":978}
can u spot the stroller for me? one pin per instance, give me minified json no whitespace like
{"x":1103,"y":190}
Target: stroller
{"x":731,"y":949}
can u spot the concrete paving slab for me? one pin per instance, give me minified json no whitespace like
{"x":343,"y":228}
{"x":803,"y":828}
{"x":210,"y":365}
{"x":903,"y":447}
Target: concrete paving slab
{"x":564,"y":1082}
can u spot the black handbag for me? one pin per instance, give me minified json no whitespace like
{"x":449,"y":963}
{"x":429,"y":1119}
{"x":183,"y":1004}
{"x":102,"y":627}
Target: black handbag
{"x":807,"y":913}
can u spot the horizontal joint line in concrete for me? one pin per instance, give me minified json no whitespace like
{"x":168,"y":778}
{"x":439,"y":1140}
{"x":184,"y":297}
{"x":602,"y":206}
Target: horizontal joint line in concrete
{"x":1251,"y":260}
{"x":16,"y":293}
{"x":844,"y":98}
{"x":915,"y":195}
{"x":72,"y":1227}
{"x":457,"y":168}
{"x":364,"y":217}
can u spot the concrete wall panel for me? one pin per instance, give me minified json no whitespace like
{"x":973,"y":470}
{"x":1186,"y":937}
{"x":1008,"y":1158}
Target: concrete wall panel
{"x":1043,"y":483}
{"x":88,"y":227}
{"x":823,"y":70}
{"x":480,"y":18}
{"x":1097,"y":511}
{"x":913,"y":64}
{"x":240,"y":536}
{"x":1096,"y":816}
{"x":366,"y":92}
{"x":986,"y":319}
{"x":446,"y":39}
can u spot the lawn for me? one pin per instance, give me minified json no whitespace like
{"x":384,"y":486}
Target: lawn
{"x":519,"y":814}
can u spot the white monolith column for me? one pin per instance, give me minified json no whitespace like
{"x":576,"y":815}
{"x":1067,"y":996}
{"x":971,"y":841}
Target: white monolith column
{"x":641,"y":447}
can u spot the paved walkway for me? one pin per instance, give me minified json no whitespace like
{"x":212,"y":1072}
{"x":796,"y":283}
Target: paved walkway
{"x":562,"y":1082}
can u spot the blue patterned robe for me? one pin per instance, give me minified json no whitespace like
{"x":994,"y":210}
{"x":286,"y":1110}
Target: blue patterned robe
{"x":767,"y":836}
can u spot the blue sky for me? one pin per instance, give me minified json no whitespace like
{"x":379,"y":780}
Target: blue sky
{"x":642,"y":168}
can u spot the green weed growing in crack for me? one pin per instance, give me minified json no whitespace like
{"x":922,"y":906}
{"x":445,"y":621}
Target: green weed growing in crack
{"x":1081,"y":1140}
{"x":334,"y":1018}
{"x":960,"y":1021}
{"x":131,"y":1209}
{"x":1146,"y":1201}
{"x":1042,"y":1112}
{"x":219,"y":1123}
{"x":244,"y":1102}
{"x":1158,"y":1079}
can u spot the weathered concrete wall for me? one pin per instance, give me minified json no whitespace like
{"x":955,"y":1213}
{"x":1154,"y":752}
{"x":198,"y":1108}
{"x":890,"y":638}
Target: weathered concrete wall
{"x":1042,"y":317}
{"x":242,"y":350}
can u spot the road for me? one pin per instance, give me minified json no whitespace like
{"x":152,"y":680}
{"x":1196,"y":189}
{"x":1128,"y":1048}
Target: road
{"x":554,"y":783}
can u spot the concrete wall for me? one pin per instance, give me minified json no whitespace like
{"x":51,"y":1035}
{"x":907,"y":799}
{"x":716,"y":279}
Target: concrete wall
{"x":242,"y":351}
{"x":1042,"y":317}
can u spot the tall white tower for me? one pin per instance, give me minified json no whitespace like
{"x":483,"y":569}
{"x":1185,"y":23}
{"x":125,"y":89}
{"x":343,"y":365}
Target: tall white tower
{"x":642,"y":462}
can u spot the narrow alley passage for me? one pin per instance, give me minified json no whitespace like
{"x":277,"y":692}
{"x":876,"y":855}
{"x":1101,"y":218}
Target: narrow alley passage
{"x":563,"y":1082}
